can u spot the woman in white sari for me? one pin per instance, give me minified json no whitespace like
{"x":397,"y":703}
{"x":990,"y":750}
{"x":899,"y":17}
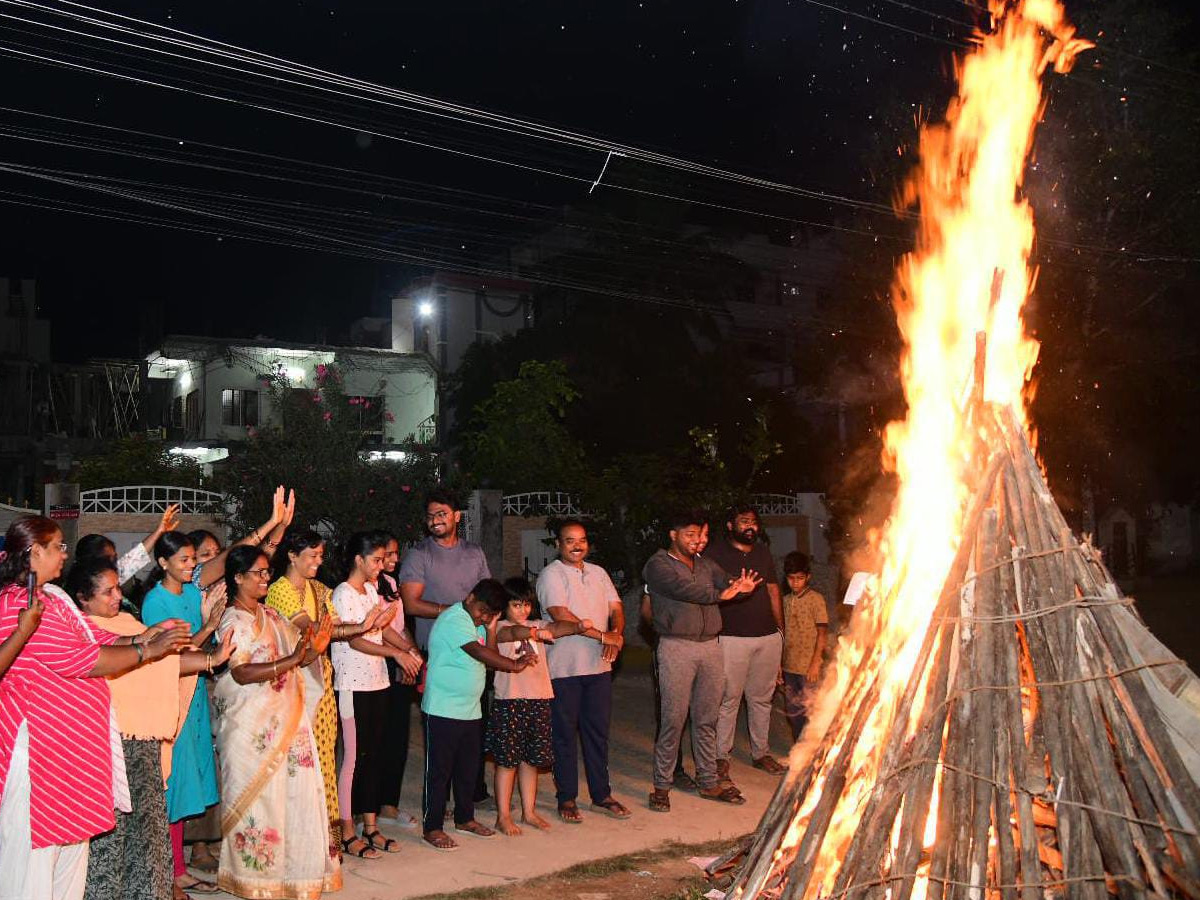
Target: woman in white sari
{"x":273,"y":822}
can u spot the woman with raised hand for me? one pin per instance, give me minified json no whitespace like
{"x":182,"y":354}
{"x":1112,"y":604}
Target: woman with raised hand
{"x":61,"y":767}
{"x":97,"y":546}
{"x":301,"y":598}
{"x":275,"y":840}
{"x":133,"y":861}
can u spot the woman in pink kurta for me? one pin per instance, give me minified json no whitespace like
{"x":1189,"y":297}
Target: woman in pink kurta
{"x":58,"y":744}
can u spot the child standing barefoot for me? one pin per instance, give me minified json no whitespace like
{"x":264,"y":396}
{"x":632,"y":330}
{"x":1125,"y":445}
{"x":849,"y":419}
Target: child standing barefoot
{"x":518,"y":733}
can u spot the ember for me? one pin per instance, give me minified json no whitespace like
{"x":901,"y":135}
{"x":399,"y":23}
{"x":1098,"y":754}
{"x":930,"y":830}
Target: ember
{"x":998,"y":719}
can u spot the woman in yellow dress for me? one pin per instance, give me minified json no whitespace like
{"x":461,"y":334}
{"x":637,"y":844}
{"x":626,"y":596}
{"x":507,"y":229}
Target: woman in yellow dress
{"x":300,"y":597}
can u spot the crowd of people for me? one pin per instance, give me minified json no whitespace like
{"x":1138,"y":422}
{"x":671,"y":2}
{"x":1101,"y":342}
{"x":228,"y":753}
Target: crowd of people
{"x":245,"y":707}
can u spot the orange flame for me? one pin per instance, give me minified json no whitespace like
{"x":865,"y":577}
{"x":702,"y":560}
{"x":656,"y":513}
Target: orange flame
{"x":969,"y":274}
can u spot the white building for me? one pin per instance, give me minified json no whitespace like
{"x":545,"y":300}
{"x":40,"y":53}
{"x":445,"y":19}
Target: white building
{"x":446,"y":313}
{"x":211,"y":392}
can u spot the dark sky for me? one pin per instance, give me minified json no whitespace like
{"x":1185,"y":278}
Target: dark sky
{"x":785,"y":89}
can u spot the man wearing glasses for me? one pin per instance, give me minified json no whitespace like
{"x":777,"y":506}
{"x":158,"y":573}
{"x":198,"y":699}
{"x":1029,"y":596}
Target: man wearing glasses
{"x":442,"y":569}
{"x":438,"y":573}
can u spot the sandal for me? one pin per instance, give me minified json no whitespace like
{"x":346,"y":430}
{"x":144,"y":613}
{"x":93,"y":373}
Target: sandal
{"x":207,"y":864}
{"x":569,"y":813}
{"x":367,"y":851}
{"x":660,"y":801}
{"x":386,"y":846}
{"x":475,"y":828}
{"x":439,"y":840}
{"x":612,"y":807}
{"x":728,"y":794}
{"x":198,"y":886}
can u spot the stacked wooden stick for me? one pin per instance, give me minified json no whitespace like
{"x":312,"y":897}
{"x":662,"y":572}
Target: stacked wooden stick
{"x":1054,"y":731}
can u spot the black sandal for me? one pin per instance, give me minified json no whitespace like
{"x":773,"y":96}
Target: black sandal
{"x":367,"y":847}
{"x":386,"y":846}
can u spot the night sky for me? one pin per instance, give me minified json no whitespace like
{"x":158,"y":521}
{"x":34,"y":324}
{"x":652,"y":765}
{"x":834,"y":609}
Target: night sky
{"x":788,"y":90}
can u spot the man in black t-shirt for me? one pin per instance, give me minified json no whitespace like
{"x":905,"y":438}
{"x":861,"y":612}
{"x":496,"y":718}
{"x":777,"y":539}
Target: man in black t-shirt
{"x":751,"y":641}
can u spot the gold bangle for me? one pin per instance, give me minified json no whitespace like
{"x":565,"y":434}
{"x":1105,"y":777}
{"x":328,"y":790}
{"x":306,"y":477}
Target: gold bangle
{"x":274,"y":668}
{"x":208,"y":662}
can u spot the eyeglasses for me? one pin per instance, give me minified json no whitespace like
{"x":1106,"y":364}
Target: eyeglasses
{"x":438,"y":516}
{"x":60,"y":545}
{"x":259,"y":573}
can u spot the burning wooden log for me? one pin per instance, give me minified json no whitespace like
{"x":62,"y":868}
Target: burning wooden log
{"x":1027,"y":713}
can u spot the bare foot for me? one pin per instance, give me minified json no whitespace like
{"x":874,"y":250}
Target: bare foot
{"x":507,"y":826}
{"x":532,"y":818}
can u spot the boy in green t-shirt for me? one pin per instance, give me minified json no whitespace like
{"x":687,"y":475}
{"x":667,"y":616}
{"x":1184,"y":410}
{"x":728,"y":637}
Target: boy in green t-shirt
{"x":805,"y":623}
{"x":458,"y":657}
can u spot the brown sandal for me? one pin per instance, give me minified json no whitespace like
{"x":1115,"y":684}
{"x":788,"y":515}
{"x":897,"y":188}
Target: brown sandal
{"x":439,"y":840}
{"x":660,"y":801}
{"x":612,"y":807}
{"x":474,"y":828}
{"x":569,"y":813}
{"x":728,"y":794}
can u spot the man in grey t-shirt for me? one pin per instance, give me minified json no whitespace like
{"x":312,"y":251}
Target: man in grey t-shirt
{"x":442,"y":569}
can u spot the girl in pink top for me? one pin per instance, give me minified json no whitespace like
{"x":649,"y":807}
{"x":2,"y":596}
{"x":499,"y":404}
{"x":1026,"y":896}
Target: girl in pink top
{"x":518,"y":729}
{"x":61,"y":770}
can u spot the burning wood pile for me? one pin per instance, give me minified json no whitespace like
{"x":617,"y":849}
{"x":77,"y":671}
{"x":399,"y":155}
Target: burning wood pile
{"x":1043,"y":745}
{"x":997,"y":724}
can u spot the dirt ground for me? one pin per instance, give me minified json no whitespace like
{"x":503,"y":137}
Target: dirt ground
{"x":661,"y":874}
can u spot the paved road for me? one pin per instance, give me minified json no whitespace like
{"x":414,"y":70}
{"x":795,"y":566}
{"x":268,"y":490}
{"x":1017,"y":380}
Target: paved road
{"x":419,"y":870}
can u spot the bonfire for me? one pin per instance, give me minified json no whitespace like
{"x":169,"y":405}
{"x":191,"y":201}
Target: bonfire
{"x":998,"y":723}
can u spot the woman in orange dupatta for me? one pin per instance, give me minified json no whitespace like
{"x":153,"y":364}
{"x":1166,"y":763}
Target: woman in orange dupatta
{"x":133,"y":861}
{"x":274,"y":826}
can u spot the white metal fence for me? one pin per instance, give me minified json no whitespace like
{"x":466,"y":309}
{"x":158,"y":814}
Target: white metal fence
{"x":550,"y":503}
{"x":148,"y":499}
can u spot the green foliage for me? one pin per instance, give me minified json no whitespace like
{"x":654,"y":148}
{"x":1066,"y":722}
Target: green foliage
{"x":136,"y":460}
{"x":518,"y":440}
{"x":318,"y":449}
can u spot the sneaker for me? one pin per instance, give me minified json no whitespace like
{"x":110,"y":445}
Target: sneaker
{"x":770,"y":765}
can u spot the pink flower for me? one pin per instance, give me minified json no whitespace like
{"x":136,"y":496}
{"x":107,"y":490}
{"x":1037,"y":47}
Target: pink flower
{"x":316,"y":397}
{"x":354,"y":401}
{"x":406,"y":488}
{"x":388,"y":417}
{"x":328,"y":416}
{"x":271,"y":836}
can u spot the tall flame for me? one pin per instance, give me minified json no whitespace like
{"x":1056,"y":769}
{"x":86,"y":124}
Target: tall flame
{"x":968,"y":275}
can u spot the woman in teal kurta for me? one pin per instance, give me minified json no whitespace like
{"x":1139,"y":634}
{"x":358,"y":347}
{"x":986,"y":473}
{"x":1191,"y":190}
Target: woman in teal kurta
{"x":192,"y":785}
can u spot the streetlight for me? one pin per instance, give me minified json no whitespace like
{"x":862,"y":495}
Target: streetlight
{"x":424,"y":309}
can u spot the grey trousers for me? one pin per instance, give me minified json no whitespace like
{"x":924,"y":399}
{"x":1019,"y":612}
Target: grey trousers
{"x":751,"y":668}
{"x":691,"y":676}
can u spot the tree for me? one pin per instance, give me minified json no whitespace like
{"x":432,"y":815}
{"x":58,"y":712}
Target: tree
{"x":320,"y":449}
{"x":137,"y":460}
{"x":517,"y":439}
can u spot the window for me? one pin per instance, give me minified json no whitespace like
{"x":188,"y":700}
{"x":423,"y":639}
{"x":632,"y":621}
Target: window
{"x":370,"y":413}
{"x":239,"y":407}
{"x":177,"y":412}
{"x":191,"y":413}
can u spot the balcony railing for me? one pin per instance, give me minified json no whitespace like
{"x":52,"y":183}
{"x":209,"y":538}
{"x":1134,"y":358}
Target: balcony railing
{"x":547,"y":503}
{"x":426,"y":432}
{"x":148,"y":499}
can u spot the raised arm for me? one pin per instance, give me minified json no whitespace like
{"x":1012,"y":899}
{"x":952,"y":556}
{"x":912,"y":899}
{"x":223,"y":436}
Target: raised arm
{"x":214,"y":569}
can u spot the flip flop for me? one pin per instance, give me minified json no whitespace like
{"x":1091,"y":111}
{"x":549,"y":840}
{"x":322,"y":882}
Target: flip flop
{"x":569,"y":813}
{"x":474,"y":828}
{"x":728,"y":794}
{"x":612,"y":807}
{"x":200,"y":886}
{"x":660,"y":801}
{"x":443,"y":844}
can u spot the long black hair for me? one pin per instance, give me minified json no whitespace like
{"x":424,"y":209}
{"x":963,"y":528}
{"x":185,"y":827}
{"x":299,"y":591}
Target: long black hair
{"x":361,"y":543}
{"x":385,"y":585}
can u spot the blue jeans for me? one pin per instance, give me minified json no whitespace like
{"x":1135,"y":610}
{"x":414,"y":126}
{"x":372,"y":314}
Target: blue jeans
{"x":793,"y":705}
{"x":580,"y":713}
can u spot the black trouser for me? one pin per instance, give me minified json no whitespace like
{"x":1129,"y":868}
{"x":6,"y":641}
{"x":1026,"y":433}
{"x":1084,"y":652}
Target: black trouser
{"x":370,"y":722}
{"x":395,"y":739}
{"x":451,"y":757}
{"x":485,"y":706}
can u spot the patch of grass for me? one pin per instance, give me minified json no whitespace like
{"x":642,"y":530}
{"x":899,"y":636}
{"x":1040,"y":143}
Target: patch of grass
{"x":602,"y":868}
